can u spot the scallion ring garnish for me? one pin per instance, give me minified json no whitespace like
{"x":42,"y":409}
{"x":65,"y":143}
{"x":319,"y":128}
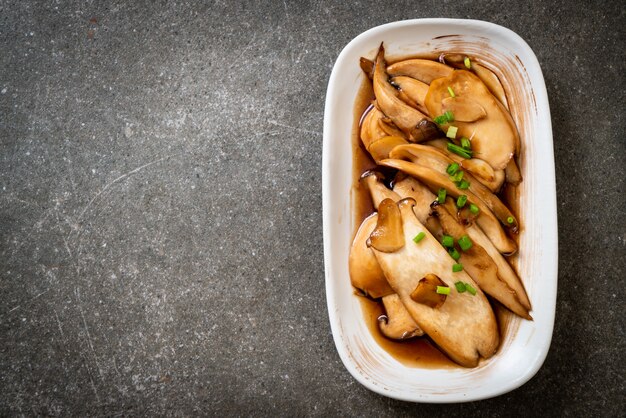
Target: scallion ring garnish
{"x":452,"y":169}
{"x":470,"y":289}
{"x":466,"y":144}
{"x":452,"y":132}
{"x":467,"y":63}
{"x":459,"y":150}
{"x":474,"y":209}
{"x":460,"y":287}
{"x":461,"y":201}
{"x":419,"y":237}
{"x":463,"y":185}
{"x":441,"y":196}
{"x":451,"y":92}
{"x":447,"y":241}
{"x":443,"y":290}
{"x":457,"y":267}
{"x":454,"y":253}
{"x":465,"y":243}
{"x":510,"y":220}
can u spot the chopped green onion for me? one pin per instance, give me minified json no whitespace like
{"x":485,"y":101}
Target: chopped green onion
{"x":467,"y":63}
{"x":419,"y":237}
{"x":470,"y":289}
{"x":443,"y":290}
{"x":454,"y":253}
{"x":440,"y":120}
{"x":459,"y":150}
{"x":465,"y":243}
{"x":458,"y":176}
{"x":441,"y":196}
{"x":449,"y":115}
{"x":457,"y":267}
{"x":474,"y":209}
{"x":510,"y":219}
{"x":463,"y":185}
{"x":451,"y":92}
{"x":465,"y":143}
{"x":452,"y":132}
{"x":447,"y":241}
{"x":452,"y":168}
{"x":460,"y":287}
{"x":461,"y":201}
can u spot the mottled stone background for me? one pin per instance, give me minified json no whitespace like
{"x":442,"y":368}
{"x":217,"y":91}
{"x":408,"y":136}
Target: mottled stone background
{"x":160,"y":207}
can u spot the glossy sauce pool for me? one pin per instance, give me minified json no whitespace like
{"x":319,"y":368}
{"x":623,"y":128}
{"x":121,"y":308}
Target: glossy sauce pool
{"x":419,"y":351}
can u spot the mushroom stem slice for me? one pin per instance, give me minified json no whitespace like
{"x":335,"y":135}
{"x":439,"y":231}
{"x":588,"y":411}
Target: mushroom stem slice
{"x":464,"y":327}
{"x":435,"y":180}
{"x":411,"y":121}
{"x":414,"y":90}
{"x":423,"y":70}
{"x":397,"y":323}
{"x":388,"y":236}
{"x":365,"y":273}
{"x":432,"y":158}
{"x":477,"y":263}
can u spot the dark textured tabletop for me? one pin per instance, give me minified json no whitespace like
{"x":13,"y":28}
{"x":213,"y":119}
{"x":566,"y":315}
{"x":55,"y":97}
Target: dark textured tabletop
{"x":160,"y":207}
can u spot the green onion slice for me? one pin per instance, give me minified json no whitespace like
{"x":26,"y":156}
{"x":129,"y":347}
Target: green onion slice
{"x":465,"y":143}
{"x":454,"y":253}
{"x":474,"y":209}
{"x":470,"y":289}
{"x":419,"y":237}
{"x":443,"y":290}
{"x":451,"y":92}
{"x":447,"y":241}
{"x":449,"y":116}
{"x":452,"y":132}
{"x":441,"y":196}
{"x":460,"y":287}
{"x":459,"y":150}
{"x":510,"y":219}
{"x":457,"y":267}
{"x":452,"y":168}
{"x":465,"y":243}
{"x":440,"y":120}
{"x":463,"y":185}
{"x":467,"y":63}
{"x":461,"y":201}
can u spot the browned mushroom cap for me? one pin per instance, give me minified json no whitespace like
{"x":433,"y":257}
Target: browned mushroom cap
{"x":396,"y":323}
{"x":388,"y":236}
{"x":423,"y":70}
{"x":477,"y":263}
{"x":417,"y":126}
{"x":494,"y":137}
{"x":365,"y":273}
{"x":426,"y":292}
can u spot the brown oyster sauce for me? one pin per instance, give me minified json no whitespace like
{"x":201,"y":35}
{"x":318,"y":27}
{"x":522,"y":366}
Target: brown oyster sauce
{"x":419,"y":351}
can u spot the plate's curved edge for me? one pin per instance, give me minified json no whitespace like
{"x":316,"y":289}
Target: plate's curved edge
{"x":543,"y":116}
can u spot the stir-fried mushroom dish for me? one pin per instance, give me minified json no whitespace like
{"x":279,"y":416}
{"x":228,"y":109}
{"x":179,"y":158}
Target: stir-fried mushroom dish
{"x":434,"y":251}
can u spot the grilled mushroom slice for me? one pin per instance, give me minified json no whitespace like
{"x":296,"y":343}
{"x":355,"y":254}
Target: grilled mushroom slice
{"x":477,"y":263}
{"x":464,"y":327}
{"x":435,"y":180}
{"x":494,"y":138}
{"x":423,"y":70}
{"x":365,"y":273}
{"x":414,"y":90}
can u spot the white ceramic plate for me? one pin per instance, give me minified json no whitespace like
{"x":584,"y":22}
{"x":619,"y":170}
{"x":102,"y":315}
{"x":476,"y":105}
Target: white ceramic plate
{"x":525,"y":345}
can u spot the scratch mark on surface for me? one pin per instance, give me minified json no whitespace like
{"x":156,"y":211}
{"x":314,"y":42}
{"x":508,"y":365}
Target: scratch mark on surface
{"x":82,"y":314}
{"x":26,"y":303}
{"x":59,"y":323}
{"x":294,"y":128}
{"x":120,"y":178}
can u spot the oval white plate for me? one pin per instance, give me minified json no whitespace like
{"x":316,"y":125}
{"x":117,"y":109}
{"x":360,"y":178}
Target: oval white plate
{"x":525,"y":346}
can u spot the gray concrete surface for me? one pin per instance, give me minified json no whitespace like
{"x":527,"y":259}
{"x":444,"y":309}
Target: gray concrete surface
{"x":160,"y":207}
